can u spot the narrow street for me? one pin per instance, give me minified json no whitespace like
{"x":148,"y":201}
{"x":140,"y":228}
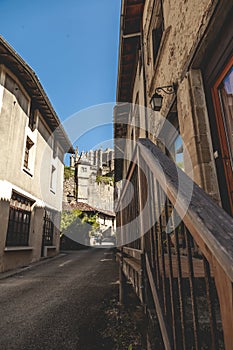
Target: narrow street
{"x":57,"y":305}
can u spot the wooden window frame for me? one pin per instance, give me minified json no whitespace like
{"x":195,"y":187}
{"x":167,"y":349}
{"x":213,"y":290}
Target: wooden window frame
{"x":225,"y":155}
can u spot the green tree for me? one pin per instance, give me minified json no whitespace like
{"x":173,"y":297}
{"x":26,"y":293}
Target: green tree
{"x":76,"y":220}
{"x":68,"y":172}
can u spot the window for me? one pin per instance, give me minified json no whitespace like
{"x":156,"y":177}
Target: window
{"x":52,"y":179}
{"x":48,"y":228}
{"x":84,"y":170}
{"x":175,"y":151}
{"x":32,"y":122}
{"x":156,"y":39}
{"x":19,"y":221}
{"x":222,"y":93}
{"x":54,"y":149}
{"x":155,"y":34}
{"x":29,"y":145}
{"x":172,"y":139}
{"x":179,"y":152}
{"x":225,"y":92}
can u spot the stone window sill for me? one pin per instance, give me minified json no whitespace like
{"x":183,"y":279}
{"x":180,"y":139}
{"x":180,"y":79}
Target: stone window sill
{"x":16,"y":249}
{"x":50,"y":247}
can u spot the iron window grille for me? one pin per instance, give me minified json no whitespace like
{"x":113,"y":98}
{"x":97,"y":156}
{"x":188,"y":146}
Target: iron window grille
{"x":48,"y":229}
{"x":19,"y":221}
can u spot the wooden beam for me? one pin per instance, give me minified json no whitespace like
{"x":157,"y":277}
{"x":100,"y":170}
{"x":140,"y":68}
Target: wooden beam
{"x":225,"y":295}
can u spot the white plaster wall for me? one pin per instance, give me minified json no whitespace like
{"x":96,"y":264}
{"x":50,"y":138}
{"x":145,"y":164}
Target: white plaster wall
{"x":14,"y":131}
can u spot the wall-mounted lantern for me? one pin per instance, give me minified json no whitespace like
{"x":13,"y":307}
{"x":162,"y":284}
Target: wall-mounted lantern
{"x":157,"y":100}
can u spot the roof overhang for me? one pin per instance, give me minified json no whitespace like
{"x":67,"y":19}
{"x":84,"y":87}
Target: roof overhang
{"x":31,"y":83}
{"x":130,"y":36}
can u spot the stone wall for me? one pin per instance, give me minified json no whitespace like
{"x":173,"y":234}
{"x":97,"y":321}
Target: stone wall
{"x":68,"y":188}
{"x":101,"y":195}
{"x":184,"y":24}
{"x":192,"y":112}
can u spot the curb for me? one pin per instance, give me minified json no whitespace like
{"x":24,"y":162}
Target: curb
{"x":11,"y":273}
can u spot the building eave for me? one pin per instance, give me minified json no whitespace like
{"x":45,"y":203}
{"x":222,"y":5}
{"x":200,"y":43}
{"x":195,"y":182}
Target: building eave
{"x":130,"y":30}
{"x":11,"y":59}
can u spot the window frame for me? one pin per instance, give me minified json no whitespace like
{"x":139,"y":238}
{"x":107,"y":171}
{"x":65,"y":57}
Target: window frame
{"x":156,"y":37}
{"x":32,"y":119}
{"x":224,"y":148}
{"x":55,"y":149}
{"x":29,"y":145}
{"x":157,"y":22}
{"x":19,"y":220}
{"x":53,"y":179}
{"x":48,"y":228}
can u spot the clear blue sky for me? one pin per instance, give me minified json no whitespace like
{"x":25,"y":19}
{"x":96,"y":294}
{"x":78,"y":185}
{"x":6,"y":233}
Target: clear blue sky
{"x":72,"y":45}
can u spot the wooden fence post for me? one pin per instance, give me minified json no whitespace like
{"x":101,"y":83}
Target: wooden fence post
{"x":122,"y":281}
{"x":225,"y":294}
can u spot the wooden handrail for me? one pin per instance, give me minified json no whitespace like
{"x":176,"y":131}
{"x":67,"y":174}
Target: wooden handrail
{"x":135,"y":253}
{"x":209,"y":224}
{"x":205,"y":230}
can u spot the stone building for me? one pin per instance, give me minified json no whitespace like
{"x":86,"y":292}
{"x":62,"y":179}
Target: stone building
{"x":92,"y":182}
{"x":188,"y":45}
{"x":89,"y":187}
{"x":102,"y":160}
{"x":175,"y":65}
{"x":32,"y":149}
{"x":85,"y":172}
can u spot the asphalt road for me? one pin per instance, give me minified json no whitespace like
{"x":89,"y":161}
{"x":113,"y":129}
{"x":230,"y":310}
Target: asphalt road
{"x":57,"y":305}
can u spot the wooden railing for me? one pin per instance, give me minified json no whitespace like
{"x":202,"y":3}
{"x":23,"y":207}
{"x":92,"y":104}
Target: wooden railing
{"x":131,"y":265}
{"x":185,"y":244}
